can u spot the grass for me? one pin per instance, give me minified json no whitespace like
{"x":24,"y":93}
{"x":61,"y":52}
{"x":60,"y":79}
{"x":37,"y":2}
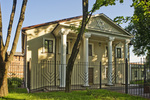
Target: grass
{"x":137,"y":82}
{"x":21,"y":94}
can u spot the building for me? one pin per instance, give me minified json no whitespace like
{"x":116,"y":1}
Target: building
{"x":16,"y":67}
{"x":104,"y":41}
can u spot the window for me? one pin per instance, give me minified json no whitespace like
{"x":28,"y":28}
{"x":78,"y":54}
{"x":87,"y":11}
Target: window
{"x":90,"y":49}
{"x":118,"y":52}
{"x":135,"y":73}
{"x":48,"y":46}
{"x":19,"y":58}
{"x":106,"y":52}
{"x":67,"y":48}
{"x":106,"y":71}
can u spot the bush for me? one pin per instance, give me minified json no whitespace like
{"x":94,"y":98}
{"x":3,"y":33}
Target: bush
{"x":14,"y":82}
{"x":147,"y":82}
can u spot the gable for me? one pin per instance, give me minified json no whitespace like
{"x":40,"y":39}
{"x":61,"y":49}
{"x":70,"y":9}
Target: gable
{"x":102,"y":24}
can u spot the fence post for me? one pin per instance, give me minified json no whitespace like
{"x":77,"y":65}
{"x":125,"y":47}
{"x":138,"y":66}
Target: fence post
{"x":144,"y":73}
{"x":126,"y":76}
{"x":100,"y":72}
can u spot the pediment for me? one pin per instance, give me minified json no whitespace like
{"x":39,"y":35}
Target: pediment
{"x":97,"y":23}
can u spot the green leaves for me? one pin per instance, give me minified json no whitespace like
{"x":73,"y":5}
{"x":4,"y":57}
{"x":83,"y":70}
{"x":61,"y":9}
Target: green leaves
{"x":139,"y":26}
{"x":100,"y":3}
{"x":121,"y":19}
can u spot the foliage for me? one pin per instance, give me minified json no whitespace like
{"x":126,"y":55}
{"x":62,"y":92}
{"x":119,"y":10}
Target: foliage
{"x":137,"y":82}
{"x":147,"y":82}
{"x":14,"y":82}
{"x":21,"y":94}
{"x":139,"y":26}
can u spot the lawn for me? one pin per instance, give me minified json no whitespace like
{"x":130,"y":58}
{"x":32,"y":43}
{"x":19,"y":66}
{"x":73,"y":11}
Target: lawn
{"x":21,"y":94}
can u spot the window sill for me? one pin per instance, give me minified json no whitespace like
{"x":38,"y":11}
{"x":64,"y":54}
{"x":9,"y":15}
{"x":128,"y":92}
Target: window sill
{"x":66,"y":54}
{"x":119,"y":58}
{"x":48,"y":52}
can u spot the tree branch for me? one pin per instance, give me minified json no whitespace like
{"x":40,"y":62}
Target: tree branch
{"x":17,"y":33}
{"x":10,"y":26}
{"x":1,"y":38}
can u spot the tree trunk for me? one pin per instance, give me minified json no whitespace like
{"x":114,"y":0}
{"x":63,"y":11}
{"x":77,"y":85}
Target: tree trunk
{"x":3,"y":79}
{"x":76,"y":47}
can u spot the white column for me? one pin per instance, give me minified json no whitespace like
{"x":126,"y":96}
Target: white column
{"x":63,"y":57}
{"x":110,"y":61}
{"x":86,"y":57}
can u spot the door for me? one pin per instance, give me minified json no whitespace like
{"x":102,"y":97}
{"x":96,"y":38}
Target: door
{"x":91,"y":76}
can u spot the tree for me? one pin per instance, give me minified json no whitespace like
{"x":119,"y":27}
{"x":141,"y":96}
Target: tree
{"x":85,"y":19}
{"x":139,"y":26}
{"x":4,"y":57}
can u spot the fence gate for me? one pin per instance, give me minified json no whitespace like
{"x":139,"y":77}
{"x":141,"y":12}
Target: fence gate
{"x":117,"y":77}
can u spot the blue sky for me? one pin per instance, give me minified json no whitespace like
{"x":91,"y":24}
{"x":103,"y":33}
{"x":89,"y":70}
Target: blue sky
{"x":41,"y":11}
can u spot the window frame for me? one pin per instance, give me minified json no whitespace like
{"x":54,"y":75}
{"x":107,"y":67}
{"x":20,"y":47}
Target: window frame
{"x":53,"y":45}
{"x":92,"y":52}
{"x":117,"y":53}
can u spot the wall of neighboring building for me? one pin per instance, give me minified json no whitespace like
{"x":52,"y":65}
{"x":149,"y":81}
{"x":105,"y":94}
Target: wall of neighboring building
{"x":16,"y":68}
{"x":137,"y":72}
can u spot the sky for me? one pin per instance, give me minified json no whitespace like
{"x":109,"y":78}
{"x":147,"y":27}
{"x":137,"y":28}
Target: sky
{"x":41,"y":11}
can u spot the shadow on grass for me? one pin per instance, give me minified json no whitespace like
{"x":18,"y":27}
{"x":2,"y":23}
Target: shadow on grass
{"x":17,"y":90}
{"x":74,"y":95}
{"x":7,"y":98}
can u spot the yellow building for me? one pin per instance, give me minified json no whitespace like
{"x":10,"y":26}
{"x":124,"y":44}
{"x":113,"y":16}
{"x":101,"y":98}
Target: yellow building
{"x":45,"y":44}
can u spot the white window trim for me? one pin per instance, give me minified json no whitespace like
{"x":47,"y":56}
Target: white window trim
{"x":44,"y":44}
{"x":92,"y":48}
{"x":116,"y":51}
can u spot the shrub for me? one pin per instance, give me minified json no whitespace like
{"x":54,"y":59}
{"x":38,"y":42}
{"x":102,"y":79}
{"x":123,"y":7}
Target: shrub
{"x":147,"y":82}
{"x":14,"y":82}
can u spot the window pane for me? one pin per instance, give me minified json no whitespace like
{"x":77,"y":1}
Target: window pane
{"x":135,"y":73}
{"x":46,"y":46}
{"x":50,"y":46}
{"x":90,"y":50}
{"x":118,"y":52}
{"x":67,"y":48}
{"x":106,"y":51}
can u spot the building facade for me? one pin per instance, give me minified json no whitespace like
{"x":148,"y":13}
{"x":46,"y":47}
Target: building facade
{"x":103,"y":41}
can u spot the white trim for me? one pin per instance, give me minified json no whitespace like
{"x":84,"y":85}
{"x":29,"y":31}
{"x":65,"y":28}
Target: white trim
{"x":44,"y":44}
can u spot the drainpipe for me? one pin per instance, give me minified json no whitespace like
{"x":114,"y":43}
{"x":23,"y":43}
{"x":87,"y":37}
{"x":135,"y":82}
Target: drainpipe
{"x":24,"y":50}
{"x":55,"y":50}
